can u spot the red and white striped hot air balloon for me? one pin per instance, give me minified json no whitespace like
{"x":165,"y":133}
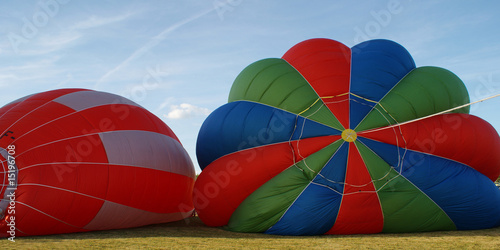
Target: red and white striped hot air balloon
{"x":79,"y":160}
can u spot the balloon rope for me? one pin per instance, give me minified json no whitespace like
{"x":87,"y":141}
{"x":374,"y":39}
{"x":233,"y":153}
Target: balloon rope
{"x":320,"y":98}
{"x":431,"y":115}
{"x":305,"y":165}
{"x":360,"y":97}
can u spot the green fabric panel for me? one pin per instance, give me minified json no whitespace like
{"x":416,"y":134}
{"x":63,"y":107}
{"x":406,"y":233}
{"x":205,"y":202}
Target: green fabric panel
{"x":379,"y":170}
{"x":264,"y":207}
{"x":405,"y":207}
{"x":313,"y":164}
{"x":320,"y":113}
{"x":424,"y":91}
{"x":276,"y":83}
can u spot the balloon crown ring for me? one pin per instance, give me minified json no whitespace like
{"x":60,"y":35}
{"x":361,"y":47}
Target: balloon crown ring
{"x":349,"y":135}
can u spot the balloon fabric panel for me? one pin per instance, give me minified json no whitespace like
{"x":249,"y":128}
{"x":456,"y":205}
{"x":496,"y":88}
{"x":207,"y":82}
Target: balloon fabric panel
{"x":390,"y":155}
{"x":89,"y":160}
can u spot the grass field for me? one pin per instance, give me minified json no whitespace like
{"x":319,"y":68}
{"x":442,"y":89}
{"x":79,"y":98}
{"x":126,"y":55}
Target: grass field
{"x":191,"y":233}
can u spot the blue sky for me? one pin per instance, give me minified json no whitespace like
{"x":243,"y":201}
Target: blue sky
{"x":178,"y":59}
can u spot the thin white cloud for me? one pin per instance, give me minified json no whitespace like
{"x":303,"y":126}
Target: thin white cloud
{"x":151,"y":44}
{"x":31,"y":70}
{"x":45,"y":44}
{"x":95,"y":21}
{"x":164,"y":104}
{"x":186,"y":110}
{"x":58,"y":40}
{"x":50,"y":41}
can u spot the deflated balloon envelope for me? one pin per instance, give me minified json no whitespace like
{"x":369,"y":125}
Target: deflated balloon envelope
{"x":316,"y":142}
{"x":86,"y":160}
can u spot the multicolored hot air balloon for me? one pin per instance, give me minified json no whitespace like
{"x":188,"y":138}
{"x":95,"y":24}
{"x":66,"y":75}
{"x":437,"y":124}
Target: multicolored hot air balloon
{"x":79,"y":160}
{"x":336,"y":140}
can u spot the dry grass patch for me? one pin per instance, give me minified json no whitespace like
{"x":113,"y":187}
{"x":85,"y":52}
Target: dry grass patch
{"x":191,"y":233}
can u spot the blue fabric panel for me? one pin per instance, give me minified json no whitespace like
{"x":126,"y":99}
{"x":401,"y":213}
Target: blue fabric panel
{"x":389,"y":153}
{"x":362,"y":108}
{"x":333,"y":174}
{"x":469,"y":198}
{"x":319,"y":198}
{"x":376,"y":67}
{"x":241,"y":125}
{"x":314,"y":212}
{"x":308,"y":128}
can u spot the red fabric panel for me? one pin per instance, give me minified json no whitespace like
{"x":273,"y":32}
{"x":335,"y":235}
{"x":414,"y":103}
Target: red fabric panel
{"x":19,"y":128}
{"x":55,"y":134}
{"x":460,"y":137}
{"x":39,"y":224}
{"x":53,"y":94}
{"x":124,"y":117}
{"x":7,"y":108}
{"x":326,"y":65}
{"x":52,"y":188}
{"x":33,"y":102}
{"x":4,"y":176}
{"x":225,"y":183}
{"x":64,"y":205}
{"x":79,"y":209}
{"x":113,"y":215}
{"x":60,"y":121}
{"x":360,"y":211}
{"x":77,"y":150}
{"x":150,"y":190}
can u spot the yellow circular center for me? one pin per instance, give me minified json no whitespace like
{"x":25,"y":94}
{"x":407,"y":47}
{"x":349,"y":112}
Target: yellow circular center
{"x":349,"y":135}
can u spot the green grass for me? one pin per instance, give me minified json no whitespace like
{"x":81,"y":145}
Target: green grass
{"x":191,"y":233}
